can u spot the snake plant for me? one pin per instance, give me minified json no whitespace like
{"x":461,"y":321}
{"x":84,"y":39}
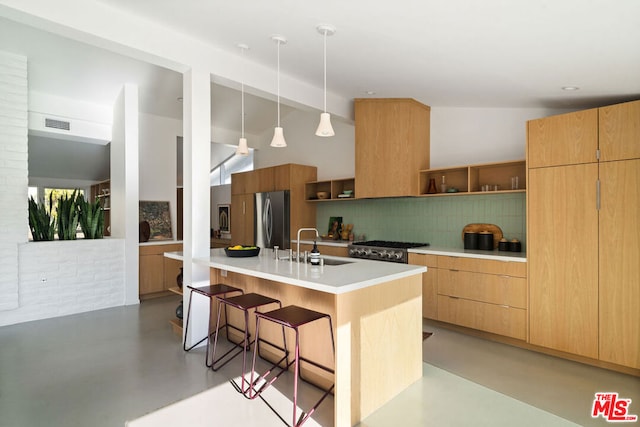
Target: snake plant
{"x":67,"y":216}
{"x":91,"y":218}
{"x":42,"y":226}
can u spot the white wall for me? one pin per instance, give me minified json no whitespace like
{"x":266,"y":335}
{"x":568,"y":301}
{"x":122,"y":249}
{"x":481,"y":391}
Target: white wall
{"x":464,"y":136}
{"x":13,"y":172}
{"x":66,"y":277}
{"x":158,"y":161}
{"x":334,"y":157}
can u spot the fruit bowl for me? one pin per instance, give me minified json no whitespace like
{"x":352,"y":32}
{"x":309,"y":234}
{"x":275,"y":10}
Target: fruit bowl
{"x":242,"y":251}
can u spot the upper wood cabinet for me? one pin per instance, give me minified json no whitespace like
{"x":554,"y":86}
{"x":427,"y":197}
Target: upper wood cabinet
{"x":392,"y":145}
{"x":619,"y":127}
{"x":583,"y":230}
{"x":292,"y":177}
{"x":565,"y":139}
{"x":255,"y":181}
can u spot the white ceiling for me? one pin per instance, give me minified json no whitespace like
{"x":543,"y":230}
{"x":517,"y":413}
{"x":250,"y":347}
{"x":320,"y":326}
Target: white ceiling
{"x":459,"y":53}
{"x":453,"y":53}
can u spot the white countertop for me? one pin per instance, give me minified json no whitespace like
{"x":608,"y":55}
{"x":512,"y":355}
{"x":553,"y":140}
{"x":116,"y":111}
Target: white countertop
{"x":333,"y":279}
{"x":471,"y":253}
{"x":159,"y":242}
{"x":435,"y":250}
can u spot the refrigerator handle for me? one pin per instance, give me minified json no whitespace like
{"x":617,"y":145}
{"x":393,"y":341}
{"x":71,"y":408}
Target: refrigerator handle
{"x":267,"y":221}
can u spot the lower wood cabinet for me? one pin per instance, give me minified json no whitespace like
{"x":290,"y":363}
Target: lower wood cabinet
{"x":156,"y":273}
{"x":495,"y":318}
{"x":488,"y":295}
{"x":429,"y":283}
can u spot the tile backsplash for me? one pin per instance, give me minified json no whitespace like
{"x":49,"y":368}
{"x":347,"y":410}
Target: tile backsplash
{"x":436,"y":220}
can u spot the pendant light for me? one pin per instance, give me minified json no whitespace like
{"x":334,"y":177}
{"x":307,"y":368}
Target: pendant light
{"x":243,"y":148}
{"x":324,"y":128}
{"x":278,"y":134}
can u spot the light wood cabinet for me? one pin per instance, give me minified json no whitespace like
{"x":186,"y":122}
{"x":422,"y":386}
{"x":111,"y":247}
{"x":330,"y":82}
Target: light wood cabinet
{"x":242,"y":223}
{"x":470,"y":179}
{"x":488,"y":295}
{"x":156,"y":273}
{"x":583,"y":230}
{"x":392,"y":143}
{"x":334,"y":187}
{"x":619,"y":131}
{"x":564,"y":139}
{"x":619,"y":297}
{"x":244,"y":185}
{"x":562,"y":249}
{"x":429,"y":283}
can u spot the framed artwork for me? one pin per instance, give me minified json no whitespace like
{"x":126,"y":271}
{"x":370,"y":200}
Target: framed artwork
{"x":158,"y":216}
{"x":224,"y":218}
{"x":335,"y":224}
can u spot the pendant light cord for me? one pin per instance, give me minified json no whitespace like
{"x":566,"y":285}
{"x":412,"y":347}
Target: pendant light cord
{"x":325,"y":70}
{"x":278,"y":83}
{"x":242,"y":49}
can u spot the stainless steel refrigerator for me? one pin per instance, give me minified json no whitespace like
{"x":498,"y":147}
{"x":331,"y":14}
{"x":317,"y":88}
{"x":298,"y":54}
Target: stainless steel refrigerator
{"x":272,"y":220}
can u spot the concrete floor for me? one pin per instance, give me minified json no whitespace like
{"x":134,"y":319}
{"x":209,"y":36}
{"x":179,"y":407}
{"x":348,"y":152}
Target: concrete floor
{"x":107,"y":367}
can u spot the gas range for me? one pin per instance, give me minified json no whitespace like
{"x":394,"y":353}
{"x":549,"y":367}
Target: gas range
{"x":383,"y":250}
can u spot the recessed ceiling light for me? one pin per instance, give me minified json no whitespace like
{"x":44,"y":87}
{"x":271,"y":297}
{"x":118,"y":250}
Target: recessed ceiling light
{"x":370,"y":92}
{"x":570,"y":88}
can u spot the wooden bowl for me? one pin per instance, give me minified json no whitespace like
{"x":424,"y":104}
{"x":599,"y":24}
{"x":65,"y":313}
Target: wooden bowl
{"x":322,"y":194}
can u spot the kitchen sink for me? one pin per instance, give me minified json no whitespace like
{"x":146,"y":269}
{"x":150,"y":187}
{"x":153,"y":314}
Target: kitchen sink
{"x":333,"y":262}
{"x":336,"y":262}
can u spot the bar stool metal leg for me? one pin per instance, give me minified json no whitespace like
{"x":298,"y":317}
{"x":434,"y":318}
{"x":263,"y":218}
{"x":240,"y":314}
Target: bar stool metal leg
{"x":292,"y":317}
{"x":244,"y":303}
{"x":208,"y":292}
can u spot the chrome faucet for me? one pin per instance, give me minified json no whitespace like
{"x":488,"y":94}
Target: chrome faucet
{"x":298,"y":241}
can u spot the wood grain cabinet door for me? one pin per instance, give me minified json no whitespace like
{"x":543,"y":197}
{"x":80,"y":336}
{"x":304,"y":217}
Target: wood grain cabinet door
{"x":565,"y":139}
{"x":619,"y":263}
{"x":562,"y":253}
{"x":619,"y":127}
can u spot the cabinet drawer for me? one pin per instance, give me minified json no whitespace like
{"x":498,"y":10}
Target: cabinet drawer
{"x":497,"y":319}
{"x":159,"y":249}
{"x":489,"y":266}
{"x":423,"y":259}
{"x":491,"y":288}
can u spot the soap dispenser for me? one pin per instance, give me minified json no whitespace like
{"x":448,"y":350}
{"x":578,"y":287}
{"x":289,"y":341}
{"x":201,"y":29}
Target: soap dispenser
{"x":314,"y":256}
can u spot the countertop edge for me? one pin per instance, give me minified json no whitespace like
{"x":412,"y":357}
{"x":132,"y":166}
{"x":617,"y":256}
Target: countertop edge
{"x":334,"y":289}
{"x":468,"y":253}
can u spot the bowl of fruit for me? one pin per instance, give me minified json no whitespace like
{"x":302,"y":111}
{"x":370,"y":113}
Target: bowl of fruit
{"x":240,"y":251}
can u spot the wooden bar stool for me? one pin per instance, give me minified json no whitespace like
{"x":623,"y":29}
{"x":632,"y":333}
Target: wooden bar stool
{"x":208,"y":292}
{"x":245,"y":303}
{"x":292,"y":317}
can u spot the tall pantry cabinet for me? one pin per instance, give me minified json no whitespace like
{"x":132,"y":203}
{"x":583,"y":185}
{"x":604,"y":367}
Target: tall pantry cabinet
{"x":584,"y":233}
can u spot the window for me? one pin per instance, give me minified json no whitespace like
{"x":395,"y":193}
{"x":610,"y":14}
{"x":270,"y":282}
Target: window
{"x":221,"y":174}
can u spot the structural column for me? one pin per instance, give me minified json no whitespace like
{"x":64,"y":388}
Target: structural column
{"x":196,"y":192}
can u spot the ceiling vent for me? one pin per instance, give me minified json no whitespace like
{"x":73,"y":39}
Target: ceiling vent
{"x":57,"y":124}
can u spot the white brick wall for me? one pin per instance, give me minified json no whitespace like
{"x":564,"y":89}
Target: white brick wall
{"x":67,"y":277}
{"x":13,"y":172}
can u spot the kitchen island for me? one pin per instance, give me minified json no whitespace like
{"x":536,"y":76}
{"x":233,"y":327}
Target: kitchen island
{"x":376,"y":312}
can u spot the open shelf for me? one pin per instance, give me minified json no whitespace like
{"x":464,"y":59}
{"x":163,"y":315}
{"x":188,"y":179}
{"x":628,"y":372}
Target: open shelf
{"x":470,"y":179}
{"x":334,"y":187}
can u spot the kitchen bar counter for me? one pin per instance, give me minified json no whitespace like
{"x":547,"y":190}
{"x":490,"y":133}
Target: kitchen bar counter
{"x":376,"y":309}
{"x":354,"y":274}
